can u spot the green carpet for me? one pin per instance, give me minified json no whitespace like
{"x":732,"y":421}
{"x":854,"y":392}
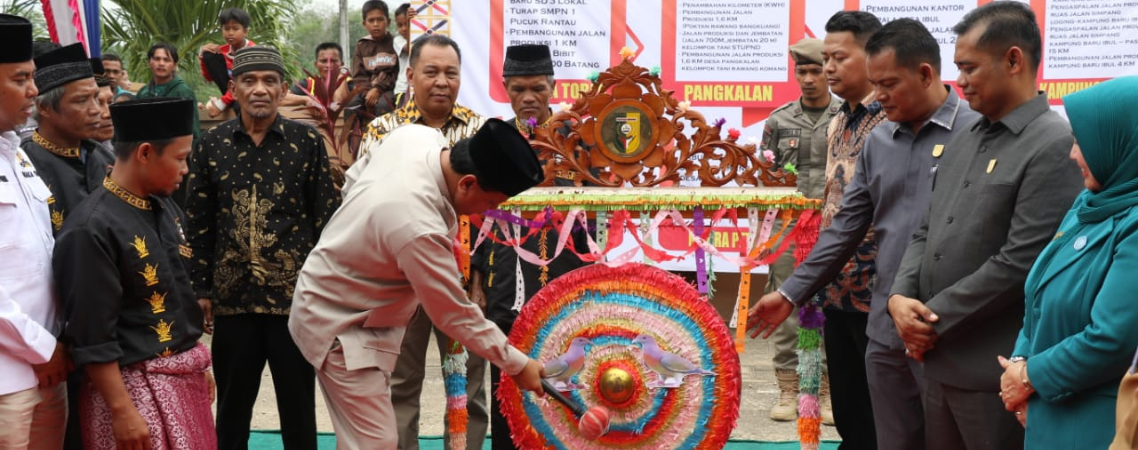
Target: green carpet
{"x":271,"y":440}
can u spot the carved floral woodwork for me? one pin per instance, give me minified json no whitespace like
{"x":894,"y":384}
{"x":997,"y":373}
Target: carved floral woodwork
{"x":628,"y":130}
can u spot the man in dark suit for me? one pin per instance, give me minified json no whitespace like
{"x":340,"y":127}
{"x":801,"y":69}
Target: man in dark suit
{"x":998,"y":195}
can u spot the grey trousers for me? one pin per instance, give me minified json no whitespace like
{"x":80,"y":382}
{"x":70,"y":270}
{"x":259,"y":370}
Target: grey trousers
{"x":896,"y":384}
{"x":958,"y":419}
{"x":407,"y":386}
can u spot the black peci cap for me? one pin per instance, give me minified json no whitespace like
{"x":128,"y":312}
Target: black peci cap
{"x":526,"y":60}
{"x":153,"y":119}
{"x":505,"y":161}
{"x":16,"y":34}
{"x":61,"y":66}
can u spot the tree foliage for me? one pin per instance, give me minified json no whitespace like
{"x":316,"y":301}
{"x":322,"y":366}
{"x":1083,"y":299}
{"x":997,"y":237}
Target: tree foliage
{"x":132,"y":26}
{"x":29,"y":9}
{"x":315,"y":26}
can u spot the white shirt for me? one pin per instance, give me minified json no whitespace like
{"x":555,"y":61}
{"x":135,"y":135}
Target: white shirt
{"x":28,"y":319}
{"x":404,"y":63}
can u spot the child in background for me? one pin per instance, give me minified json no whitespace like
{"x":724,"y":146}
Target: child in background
{"x":403,"y":15}
{"x":375,"y":61}
{"x":217,"y":61}
{"x":328,"y":58}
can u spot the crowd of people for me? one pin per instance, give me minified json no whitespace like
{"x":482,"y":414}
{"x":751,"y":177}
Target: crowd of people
{"x":955,"y":231}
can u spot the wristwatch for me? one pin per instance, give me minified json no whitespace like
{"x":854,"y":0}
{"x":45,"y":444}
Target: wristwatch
{"x":1016,"y":359}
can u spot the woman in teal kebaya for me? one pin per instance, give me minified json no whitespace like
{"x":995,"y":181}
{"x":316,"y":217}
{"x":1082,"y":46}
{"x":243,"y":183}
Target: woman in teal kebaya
{"x":1081,"y":321}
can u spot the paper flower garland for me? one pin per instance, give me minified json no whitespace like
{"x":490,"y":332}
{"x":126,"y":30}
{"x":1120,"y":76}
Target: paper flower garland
{"x":611,"y":307}
{"x":769,"y":155}
{"x":810,"y":323}
{"x":454,"y":382}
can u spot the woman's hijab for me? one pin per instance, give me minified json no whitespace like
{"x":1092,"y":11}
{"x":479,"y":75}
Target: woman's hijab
{"x":1104,"y":118}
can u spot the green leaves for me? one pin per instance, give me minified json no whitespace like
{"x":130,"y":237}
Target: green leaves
{"x":130,"y":27}
{"x":29,"y":9}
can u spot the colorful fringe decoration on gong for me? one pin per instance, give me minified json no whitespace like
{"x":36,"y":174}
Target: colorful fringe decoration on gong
{"x":810,"y":322}
{"x":611,"y":306}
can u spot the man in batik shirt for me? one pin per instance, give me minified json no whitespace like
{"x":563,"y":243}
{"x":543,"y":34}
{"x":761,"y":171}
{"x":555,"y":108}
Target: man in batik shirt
{"x":260,"y":194}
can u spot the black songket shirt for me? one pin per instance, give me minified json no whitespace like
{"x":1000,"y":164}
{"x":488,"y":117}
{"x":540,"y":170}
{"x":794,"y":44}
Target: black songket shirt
{"x":121,"y":270}
{"x":255,"y":212}
{"x":70,"y":173}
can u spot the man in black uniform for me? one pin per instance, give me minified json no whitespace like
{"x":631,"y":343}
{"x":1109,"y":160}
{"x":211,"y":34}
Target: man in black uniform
{"x":133,"y":322}
{"x":528,"y":77}
{"x":68,"y":113}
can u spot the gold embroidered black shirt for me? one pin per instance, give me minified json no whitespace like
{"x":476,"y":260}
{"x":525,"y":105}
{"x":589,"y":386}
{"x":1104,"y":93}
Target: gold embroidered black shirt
{"x":70,"y":174}
{"x":255,"y":212}
{"x":123,"y":279}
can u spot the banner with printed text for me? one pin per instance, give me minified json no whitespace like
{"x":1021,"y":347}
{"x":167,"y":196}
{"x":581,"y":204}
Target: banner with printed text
{"x":730,"y":58}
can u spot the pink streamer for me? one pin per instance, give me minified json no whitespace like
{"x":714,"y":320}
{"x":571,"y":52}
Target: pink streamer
{"x":594,"y":253}
{"x":455,"y":403}
{"x":77,"y":22}
{"x":49,"y":17}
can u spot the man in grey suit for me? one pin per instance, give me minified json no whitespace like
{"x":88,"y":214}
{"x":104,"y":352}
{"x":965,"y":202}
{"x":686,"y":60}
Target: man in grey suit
{"x":889,"y":192}
{"x":1001,"y":189}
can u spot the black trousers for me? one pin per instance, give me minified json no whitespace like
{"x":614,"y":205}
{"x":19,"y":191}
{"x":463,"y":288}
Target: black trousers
{"x":73,"y":436}
{"x":217,"y":68}
{"x":241,"y":346}
{"x":846,"y":341}
{"x":959,"y":419}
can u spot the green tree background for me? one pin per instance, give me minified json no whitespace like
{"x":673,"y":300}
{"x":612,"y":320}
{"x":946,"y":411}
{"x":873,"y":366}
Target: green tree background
{"x":314,"y":25}
{"x":130,"y":27}
{"x":31,"y":10}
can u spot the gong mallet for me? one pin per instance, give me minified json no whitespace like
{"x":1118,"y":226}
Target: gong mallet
{"x":592,"y":423}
